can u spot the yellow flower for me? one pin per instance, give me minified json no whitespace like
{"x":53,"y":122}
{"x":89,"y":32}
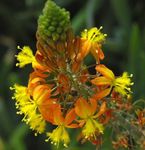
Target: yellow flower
{"x":87,"y":112}
{"x":25,"y":56}
{"x":94,"y":35}
{"x":92,"y":40}
{"x":108,"y":80}
{"x":59,"y":134}
{"x":29,"y":107}
{"x":122,"y":84}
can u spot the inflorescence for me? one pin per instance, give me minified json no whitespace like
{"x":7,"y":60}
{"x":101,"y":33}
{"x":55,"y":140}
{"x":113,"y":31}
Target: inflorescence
{"x":61,"y":91}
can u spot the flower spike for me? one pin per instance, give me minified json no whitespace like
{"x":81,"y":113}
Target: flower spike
{"x":62,"y":91}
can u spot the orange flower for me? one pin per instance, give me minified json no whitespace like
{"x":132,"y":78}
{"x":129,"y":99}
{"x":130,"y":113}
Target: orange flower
{"x":87,"y":112}
{"x":108,"y":81}
{"x":60,"y":134}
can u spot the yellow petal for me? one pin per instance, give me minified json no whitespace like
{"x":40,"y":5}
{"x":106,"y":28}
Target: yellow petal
{"x":91,"y":127}
{"x":25,"y":56}
{"x":59,"y":135}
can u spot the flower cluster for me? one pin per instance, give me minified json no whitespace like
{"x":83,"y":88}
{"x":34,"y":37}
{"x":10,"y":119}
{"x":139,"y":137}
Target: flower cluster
{"x":61,"y":91}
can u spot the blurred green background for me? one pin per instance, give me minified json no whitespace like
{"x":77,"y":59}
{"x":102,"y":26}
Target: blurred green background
{"x":122,"y":20}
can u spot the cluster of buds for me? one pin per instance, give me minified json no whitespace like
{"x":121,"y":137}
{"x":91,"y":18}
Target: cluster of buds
{"x":61,"y":91}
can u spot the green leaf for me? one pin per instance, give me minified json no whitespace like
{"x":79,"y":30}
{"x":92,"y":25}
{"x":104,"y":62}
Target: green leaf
{"x":79,"y":19}
{"x":16,"y":141}
{"x":85,"y":17}
{"x":91,"y":8}
{"x":1,"y":144}
{"x":122,"y":11}
{"x":136,"y":61}
{"x":107,"y":145}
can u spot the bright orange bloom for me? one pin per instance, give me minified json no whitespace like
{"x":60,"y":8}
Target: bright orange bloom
{"x":108,"y":81}
{"x":60,"y":134}
{"x":87,"y":112}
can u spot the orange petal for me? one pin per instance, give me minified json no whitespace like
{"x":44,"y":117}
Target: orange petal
{"x":100,"y":53}
{"x":82,"y":108}
{"x":40,"y":93}
{"x":102,"y":110}
{"x":102,"y":94}
{"x":81,"y":123}
{"x":108,"y":115}
{"x":73,"y":125}
{"x":38,"y":74}
{"x":105,"y":71}
{"x":101,"y":81}
{"x":93,"y":103}
{"x":58,"y":117}
{"x":97,"y":52}
{"x":70,"y":116}
{"x":47,"y":110}
{"x":37,"y":79}
{"x":86,"y":45}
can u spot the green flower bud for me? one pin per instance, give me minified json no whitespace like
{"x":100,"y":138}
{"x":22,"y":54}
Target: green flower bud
{"x":54,"y":22}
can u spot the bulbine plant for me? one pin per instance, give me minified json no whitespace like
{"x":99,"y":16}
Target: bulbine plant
{"x":61,"y":90}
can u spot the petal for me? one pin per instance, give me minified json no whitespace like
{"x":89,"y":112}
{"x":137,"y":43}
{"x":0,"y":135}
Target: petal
{"x":41,"y":93}
{"x":108,"y":115}
{"x":58,"y":117}
{"x":47,"y":110}
{"x":101,"y":81}
{"x":100,"y":53}
{"x":37,"y":79}
{"x":93,"y":103}
{"x":73,"y":125}
{"x":85,"y":49}
{"x":91,"y":127}
{"x":70,"y":116}
{"x":58,"y":135}
{"x":82,"y":108}
{"x":25,"y":56}
{"x":102,"y":110}
{"x":97,"y":52}
{"x":105,"y":71}
{"x":102,"y":94}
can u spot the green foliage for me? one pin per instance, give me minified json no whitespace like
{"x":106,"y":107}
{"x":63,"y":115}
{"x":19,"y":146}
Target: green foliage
{"x":122,"y":11}
{"x":136,"y":60}
{"x":123,"y":21}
